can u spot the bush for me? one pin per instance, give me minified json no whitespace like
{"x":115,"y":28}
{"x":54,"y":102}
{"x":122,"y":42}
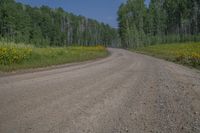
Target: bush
{"x":12,"y":54}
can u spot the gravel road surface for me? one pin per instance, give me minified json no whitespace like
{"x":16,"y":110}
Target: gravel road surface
{"x":126,"y":92}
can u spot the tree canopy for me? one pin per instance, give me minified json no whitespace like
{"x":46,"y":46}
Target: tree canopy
{"x":54,"y":27}
{"x":163,"y":21}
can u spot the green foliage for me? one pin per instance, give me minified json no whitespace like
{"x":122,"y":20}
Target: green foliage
{"x":185,"y":53}
{"x":163,"y":21}
{"x":11,"y":54}
{"x":21,"y":56}
{"x":52,"y":27}
{"x":131,"y":22}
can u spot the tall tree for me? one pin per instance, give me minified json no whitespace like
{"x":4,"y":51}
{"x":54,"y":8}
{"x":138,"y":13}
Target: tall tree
{"x":47,"y":26}
{"x":163,"y":21}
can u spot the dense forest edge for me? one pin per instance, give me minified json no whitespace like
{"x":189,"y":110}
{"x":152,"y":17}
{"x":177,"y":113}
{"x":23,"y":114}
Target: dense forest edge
{"x":44,"y":26}
{"x":32,"y":37}
{"x":161,"y":22}
{"x":42,"y":36}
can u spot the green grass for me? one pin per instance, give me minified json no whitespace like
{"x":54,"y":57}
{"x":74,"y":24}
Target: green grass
{"x":183,"y":53}
{"x":14,"y":57}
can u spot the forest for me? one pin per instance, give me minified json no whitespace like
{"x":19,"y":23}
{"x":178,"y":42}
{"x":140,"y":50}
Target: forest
{"x":162,"y":21}
{"x":44,"y":26}
{"x":159,"y":22}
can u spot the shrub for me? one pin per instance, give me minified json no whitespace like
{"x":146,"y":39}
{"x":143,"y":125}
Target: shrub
{"x":12,"y":54}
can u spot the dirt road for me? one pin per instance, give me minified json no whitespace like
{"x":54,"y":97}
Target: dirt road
{"x":125,"y":92}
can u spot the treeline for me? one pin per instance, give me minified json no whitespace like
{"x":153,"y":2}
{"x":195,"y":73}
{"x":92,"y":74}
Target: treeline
{"x":163,"y":21}
{"x":55,"y":27}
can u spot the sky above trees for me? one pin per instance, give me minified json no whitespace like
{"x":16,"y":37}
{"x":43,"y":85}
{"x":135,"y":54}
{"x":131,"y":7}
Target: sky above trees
{"x":101,"y":10}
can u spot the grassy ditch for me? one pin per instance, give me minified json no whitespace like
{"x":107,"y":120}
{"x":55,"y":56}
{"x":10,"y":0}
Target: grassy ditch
{"x":183,"y":53}
{"x":20,"y":56}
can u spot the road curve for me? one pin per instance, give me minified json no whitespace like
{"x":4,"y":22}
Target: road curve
{"x":126,"y":92}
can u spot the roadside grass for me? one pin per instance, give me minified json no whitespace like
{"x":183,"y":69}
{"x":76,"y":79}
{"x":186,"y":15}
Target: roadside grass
{"x":183,"y":53}
{"x":20,"y":56}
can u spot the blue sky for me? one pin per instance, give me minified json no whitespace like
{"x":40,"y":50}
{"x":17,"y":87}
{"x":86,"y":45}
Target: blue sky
{"x":101,"y":10}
